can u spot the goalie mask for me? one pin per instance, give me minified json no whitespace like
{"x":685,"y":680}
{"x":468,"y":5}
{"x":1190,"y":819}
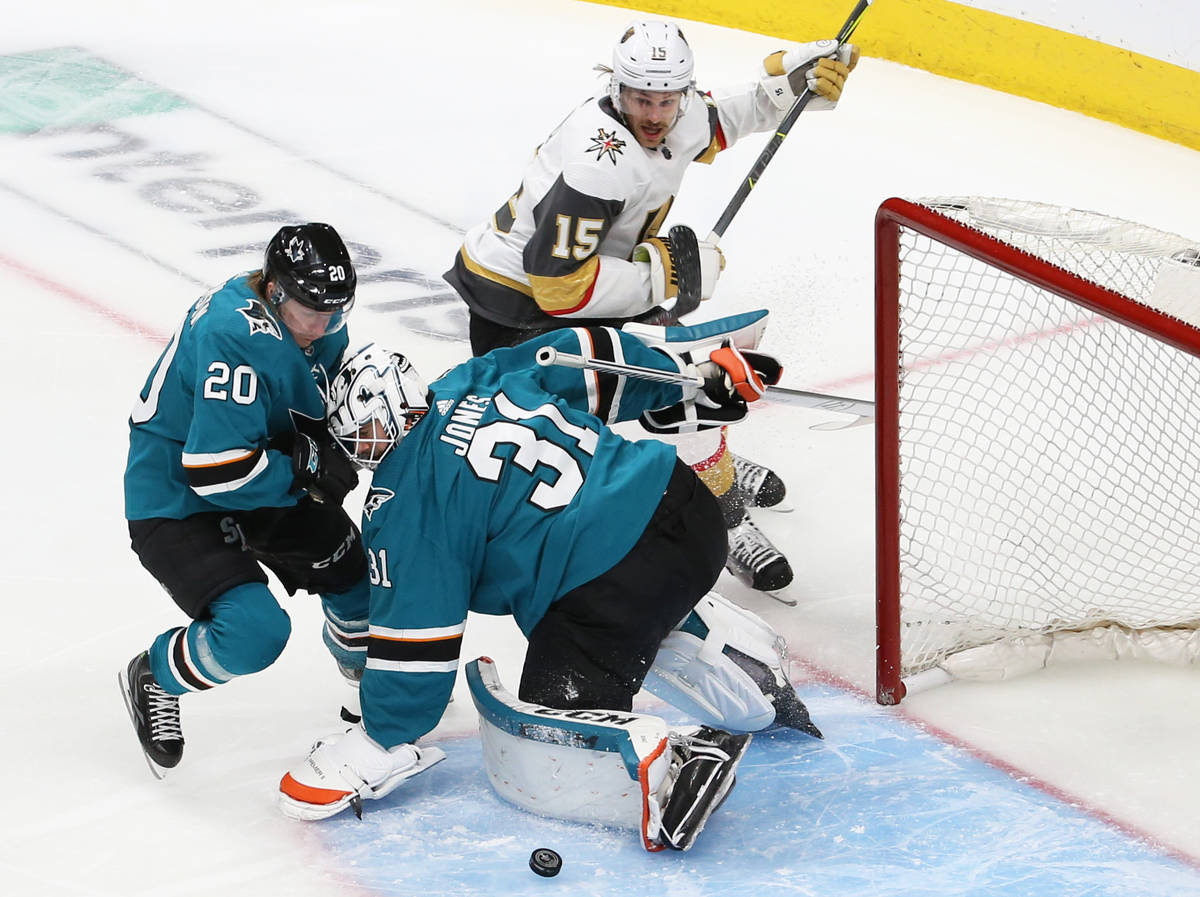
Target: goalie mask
{"x":373,"y":401}
{"x":652,"y":56}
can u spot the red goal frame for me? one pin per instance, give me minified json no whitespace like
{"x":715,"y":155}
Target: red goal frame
{"x":893,"y":215}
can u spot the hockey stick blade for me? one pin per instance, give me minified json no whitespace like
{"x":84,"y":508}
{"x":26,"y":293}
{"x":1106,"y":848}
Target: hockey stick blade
{"x":861,"y":409}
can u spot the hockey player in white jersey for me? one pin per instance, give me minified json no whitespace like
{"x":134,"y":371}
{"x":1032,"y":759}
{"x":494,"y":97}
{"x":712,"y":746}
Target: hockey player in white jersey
{"x":578,"y":243}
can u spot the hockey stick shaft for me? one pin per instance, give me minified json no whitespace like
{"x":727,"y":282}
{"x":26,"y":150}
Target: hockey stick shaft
{"x":768,"y":152}
{"x":857,"y":407}
{"x":547,"y":356}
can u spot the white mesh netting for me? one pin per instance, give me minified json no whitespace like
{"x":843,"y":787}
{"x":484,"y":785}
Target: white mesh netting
{"x":1049,"y":457}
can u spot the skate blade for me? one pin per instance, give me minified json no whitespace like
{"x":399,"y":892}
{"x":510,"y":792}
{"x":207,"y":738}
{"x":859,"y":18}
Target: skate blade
{"x":159,"y":772}
{"x":783,"y":507}
{"x":782,"y":596}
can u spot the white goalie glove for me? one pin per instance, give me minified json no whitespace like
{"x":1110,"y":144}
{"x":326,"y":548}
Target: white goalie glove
{"x":344,"y":770}
{"x":821,"y":67}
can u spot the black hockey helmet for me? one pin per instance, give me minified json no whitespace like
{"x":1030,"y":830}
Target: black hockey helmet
{"x":310,"y":263}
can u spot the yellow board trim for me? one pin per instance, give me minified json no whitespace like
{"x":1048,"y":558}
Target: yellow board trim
{"x":981,"y":47}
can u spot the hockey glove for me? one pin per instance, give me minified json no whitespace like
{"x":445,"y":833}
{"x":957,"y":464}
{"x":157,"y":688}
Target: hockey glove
{"x":681,"y":268}
{"x":821,"y":67}
{"x":732,"y":377}
{"x":324,"y":471}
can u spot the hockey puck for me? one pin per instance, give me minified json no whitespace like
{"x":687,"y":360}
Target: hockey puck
{"x":545,"y":862}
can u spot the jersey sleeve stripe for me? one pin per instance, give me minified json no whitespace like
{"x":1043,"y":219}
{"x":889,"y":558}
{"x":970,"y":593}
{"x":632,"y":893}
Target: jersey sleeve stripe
{"x":440,"y":651}
{"x":718,"y":141}
{"x":604,"y":391}
{"x":223,"y":471}
{"x":567,"y":293}
{"x":392,"y":666}
{"x":419,"y":635}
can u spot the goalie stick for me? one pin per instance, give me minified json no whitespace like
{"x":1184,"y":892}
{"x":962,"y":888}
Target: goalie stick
{"x":862,"y":410}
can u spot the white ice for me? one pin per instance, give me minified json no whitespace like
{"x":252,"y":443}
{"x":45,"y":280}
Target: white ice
{"x":430,"y":110}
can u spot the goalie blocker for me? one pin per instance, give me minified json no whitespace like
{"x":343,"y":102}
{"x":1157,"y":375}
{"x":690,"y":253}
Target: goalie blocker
{"x":602,"y":766}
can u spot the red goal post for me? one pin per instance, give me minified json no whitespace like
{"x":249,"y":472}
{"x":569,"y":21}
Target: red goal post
{"x":1038,"y":439}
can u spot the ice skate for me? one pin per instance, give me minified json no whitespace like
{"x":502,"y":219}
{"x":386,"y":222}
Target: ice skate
{"x":756,"y":562}
{"x":762,"y":486}
{"x":155,"y":715}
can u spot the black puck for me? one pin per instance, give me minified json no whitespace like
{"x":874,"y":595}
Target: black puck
{"x":545,"y":862}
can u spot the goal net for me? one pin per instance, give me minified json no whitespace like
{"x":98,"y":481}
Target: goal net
{"x":1038,"y":439}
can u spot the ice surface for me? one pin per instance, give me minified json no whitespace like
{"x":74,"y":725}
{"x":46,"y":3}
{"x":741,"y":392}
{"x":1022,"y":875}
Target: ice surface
{"x":403,"y":125}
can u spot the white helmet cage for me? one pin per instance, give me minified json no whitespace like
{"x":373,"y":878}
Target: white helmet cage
{"x":372,"y":402}
{"x":652,"y":56}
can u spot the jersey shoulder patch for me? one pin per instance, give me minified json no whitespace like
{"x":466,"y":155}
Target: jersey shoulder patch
{"x":259,"y":318}
{"x":376,"y":499}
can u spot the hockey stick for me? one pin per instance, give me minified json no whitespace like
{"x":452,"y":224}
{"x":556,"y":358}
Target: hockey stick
{"x":768,"y":153}
{"x":862,"y":410}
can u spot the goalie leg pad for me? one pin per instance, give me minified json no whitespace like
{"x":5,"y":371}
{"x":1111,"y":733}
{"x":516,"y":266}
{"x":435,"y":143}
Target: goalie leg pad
{"x":727,"y":667}
{"x":596,"y":766}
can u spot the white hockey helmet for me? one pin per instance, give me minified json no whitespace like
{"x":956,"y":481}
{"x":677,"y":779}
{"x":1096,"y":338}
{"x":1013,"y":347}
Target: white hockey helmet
{"x":652,"y":55}
{"x":373,"y":401}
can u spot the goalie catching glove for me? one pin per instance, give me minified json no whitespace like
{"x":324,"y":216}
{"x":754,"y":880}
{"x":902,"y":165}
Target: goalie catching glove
{"x":681,"y":268}
{"x":732,"y":377}
{"x":821,"y":67}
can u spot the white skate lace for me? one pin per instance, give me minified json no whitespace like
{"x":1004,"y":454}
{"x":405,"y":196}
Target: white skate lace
{"x":751,"y":548}
{"x":748,"y":476}
{"x":163,"y":712}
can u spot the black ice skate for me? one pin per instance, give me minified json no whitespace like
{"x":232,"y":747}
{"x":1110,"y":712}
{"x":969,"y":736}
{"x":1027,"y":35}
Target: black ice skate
{"x":756,"y":562}
{"x":703,"y":767}
{"x":155,"y":715}
{"x":762,"y":486}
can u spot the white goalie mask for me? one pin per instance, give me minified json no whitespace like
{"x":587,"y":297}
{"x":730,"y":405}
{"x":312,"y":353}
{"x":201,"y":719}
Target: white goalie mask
{"x":373,"y":401}
{"x":652,"y":56}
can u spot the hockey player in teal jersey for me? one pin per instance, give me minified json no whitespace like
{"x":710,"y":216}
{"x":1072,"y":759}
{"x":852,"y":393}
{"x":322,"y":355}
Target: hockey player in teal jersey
{"x":500,"y":490}
{"x":230,"y":468}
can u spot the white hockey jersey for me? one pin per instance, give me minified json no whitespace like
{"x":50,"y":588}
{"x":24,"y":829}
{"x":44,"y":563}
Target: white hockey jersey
{"x":560,"y":247}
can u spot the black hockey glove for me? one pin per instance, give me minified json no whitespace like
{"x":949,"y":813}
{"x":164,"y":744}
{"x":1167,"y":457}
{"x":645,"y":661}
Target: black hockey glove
{"x":732,"y":377}
{"x":323,"y":471}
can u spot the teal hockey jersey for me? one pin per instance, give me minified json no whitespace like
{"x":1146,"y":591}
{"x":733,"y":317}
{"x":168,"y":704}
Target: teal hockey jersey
{"x":230,"y":378}
{"x":510,"y":492}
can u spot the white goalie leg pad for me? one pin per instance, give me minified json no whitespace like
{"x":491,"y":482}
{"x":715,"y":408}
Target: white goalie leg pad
{"x":692,"y":672}
{"x":344,"y":770}
{"x":598,"y":766}
{"x":743,"y":330}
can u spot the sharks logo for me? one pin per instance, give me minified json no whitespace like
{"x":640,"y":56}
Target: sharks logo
{"x":260,"y":318}
{"x":376,"y":499}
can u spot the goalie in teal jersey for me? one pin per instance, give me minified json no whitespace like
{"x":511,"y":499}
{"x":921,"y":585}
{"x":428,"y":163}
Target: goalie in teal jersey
{"x":501,"y":490}
{"x":231,"y":469}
